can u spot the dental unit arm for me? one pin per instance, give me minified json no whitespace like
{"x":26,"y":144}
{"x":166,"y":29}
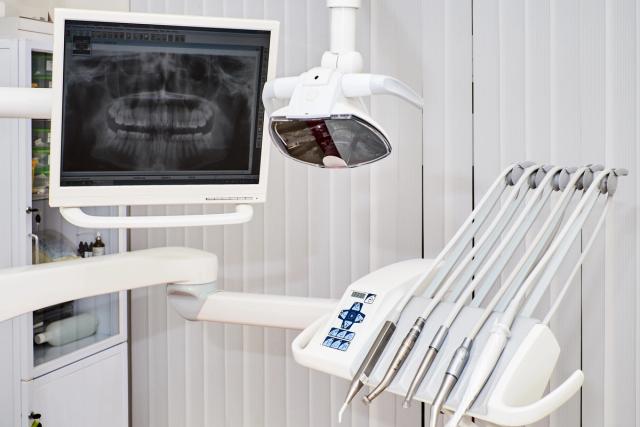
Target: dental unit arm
{"x":190,"y":275}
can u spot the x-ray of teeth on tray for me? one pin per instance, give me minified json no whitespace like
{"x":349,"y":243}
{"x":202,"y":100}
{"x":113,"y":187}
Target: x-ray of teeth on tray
{"x":139,"y":100}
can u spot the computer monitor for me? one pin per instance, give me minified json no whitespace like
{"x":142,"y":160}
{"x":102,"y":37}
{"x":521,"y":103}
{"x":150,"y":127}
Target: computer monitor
{"x":159,"y":109}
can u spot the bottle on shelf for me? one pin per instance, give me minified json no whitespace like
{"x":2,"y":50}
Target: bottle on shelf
{"x":98,"y":246}
{"x":67,"y":330}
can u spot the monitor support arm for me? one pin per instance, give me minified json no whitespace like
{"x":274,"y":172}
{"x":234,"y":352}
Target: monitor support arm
{"x":25,"y":103}
{"x":190,"y":275}
{"x":32,"y":103}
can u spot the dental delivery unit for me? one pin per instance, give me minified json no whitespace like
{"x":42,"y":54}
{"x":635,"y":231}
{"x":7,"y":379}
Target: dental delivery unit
{"x":457,"y":332}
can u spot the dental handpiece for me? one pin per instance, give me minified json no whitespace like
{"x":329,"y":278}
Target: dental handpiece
{"x":499,"y":335}
{"x":398,"y":360}
{"x":464,"y":273}
{"x":368,"y":363}
{"x":519,"y":273}
{"x":473,"y":259}
{"x":492,"y":268}
{"x":456,"y":366}
{"x":383,"y":338}
{"x":441,"y":266}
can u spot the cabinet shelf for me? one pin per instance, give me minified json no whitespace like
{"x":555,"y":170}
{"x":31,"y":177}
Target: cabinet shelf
{"x":46,"y":353}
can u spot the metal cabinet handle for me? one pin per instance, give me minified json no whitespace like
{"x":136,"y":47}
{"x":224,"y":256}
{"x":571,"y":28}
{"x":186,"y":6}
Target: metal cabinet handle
{"x":36,"y":241}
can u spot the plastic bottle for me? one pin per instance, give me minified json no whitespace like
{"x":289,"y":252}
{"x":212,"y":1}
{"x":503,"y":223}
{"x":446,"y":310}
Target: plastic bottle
{"x":98,"y":246}
{"x":88,"y":250}
{"x":67,"y":330}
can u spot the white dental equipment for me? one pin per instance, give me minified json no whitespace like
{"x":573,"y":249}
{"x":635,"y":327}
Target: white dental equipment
{"x":494,"y":265}
{"x":518,"y":274}
{"x":540,"y":277}
{"x":324,"y":112}
{"x":155,"y":136}
{"x":435,"y":274}
{"x":325,"y":122}
{"x":460,"y":275}
{"x":583,"y":179}
{"x":190,"y":274}
{"x":513,"y":393}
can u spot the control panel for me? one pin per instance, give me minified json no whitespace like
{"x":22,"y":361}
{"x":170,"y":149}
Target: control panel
{"x":339,"y":342}
{"x":343,"y":331}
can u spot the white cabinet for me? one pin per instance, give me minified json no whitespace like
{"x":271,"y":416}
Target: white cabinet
{"x":90,"y":372}
{"x":91,"y":392}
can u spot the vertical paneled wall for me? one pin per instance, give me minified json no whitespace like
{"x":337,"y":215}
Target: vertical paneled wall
{"x":556,"y":81}
{"x":503,"y":81}
{"x":319,"y":231}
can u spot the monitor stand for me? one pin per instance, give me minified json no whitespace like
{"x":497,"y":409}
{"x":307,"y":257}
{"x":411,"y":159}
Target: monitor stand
{"x":77,"y":216}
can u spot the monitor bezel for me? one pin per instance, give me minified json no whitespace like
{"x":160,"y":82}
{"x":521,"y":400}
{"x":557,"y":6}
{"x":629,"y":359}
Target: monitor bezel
{"x":115,"y":195}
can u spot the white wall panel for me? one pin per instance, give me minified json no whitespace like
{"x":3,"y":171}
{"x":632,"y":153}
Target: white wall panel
{"x":318,"y":231}
{"x":556,"y":81}
{"x":553,"y":81}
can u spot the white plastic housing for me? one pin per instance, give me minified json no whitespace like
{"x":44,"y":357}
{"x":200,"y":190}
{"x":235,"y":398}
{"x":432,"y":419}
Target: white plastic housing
{"x":150,"y":194}
{"x":29,"y":288}
{"x":383,"y":288}
{"x":77,"y":216}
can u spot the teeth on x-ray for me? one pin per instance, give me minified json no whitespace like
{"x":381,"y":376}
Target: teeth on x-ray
{"x":165,"y":115}
{"x":161,"y":113}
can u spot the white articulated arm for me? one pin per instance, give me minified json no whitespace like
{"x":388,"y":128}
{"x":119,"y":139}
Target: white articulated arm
{"x":189,"y":273}
{"x":25,"y":289}
{"x":25,"y":103}
{"x":359,"y":85}
{"x":277,"y":311}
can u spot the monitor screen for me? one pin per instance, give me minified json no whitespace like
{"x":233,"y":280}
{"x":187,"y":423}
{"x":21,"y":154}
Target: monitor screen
{"x":161,"y":105}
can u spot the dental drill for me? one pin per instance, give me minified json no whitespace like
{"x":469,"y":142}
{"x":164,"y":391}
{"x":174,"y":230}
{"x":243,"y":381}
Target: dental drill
{"x":434,"y":277}
{"x":545,"y":183}
{"x":517,"y":276}
{"x":545,"y":270}
{"x":473,"y":259}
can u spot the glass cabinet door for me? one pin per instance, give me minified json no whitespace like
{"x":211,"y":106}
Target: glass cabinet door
{"x":66,"y":332}
{"x":65,"y":329}
{"x":41,"y":67}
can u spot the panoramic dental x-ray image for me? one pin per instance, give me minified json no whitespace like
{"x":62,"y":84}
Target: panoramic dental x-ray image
{"x":134,"y":106}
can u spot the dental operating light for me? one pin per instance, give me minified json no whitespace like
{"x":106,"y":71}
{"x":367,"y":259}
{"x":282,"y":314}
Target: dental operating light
{"x":325,"y":123}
